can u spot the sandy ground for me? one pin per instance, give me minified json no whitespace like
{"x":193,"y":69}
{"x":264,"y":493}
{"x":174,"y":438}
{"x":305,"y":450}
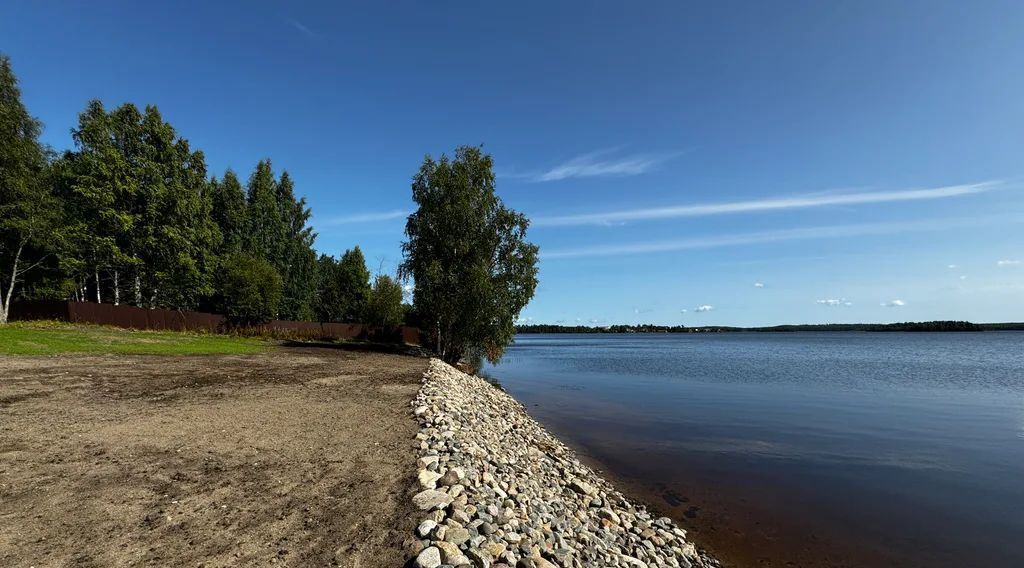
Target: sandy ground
{"x":298,"y":457}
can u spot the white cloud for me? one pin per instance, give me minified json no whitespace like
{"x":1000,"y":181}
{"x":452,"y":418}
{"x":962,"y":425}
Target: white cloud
{"x":682,"y":311}
{"x":835,"y":302}
{"x":1007,"y":263}
{"x":758,"y":284}
{"x":304,"y":29}
{"x":894,"y":304}
{"x":371,"y":217}
{"x":952,"y":266}
{"x":704,"y":308}
{"x":963,"y":277}
{"x":771,"y":204}
{"x":836,"y":231}
{"x":595,"y":164}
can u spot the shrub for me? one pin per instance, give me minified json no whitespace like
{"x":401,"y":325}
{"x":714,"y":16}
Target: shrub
{"x":384,"y":307}
{"x":252,"y":290}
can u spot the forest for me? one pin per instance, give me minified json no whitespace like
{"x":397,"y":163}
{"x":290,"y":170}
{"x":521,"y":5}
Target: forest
{"x":131,"y":215}
{"x":877,"y":327}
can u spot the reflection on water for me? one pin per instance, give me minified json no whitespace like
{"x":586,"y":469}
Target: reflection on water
{"x":813,"y":449}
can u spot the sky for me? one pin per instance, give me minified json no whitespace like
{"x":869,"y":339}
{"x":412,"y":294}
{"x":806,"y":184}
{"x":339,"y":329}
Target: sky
{"x":694,"y":163}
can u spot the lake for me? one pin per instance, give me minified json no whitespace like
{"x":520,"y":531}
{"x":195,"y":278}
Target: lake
{"x":799,"y":449}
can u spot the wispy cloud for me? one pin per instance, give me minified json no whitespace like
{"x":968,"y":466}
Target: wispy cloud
{"x":371,"y":217}
{"x":704,"y":308}
{"x":599,"y":164}
{"x":304,"y":29}
{"x":772,"y":204}
{"x":894,"y":304}
{"x":758,"y":284}
{"x":835,"y":231}
{"x":952,"y":266}
{"x":1007,"y":263}
{"x":835,"y":302}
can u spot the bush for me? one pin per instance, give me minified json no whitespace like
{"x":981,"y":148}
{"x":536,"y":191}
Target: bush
{"x":252,"y":290}
{"x":384,"y":307}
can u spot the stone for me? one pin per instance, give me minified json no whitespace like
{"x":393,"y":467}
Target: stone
{"x":534,"y":562}
{"x":582,"y":487}
{"x":426,"y":527}
{"x":610,"y":516}
{"x":428,"y":479}
{"x":500,"y":491}
{"x":452,"y":477}
{"x":449,"y":551}
{"x":456,"y":535}
{"x":431,"y":499}
{"x":495,"y":549}
{"x":479,"y":558}
{"x":429,"y":558}
{"x":630,"y":561}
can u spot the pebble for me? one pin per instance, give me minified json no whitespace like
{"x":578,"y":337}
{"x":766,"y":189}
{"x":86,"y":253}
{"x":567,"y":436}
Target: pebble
{"x":502,"y":492}
{"x":429,"y":558}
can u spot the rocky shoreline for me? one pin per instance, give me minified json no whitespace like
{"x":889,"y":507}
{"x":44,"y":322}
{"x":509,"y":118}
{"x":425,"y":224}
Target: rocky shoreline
{"x":498,"y":491}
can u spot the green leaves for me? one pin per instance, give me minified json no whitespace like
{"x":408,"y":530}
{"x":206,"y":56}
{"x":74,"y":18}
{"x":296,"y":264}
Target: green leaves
{"x":251,"y":288}
{"x":384,"y":306}
{"x":229,"y":212}
{"x":468,"y":254}
{"x":27,"y":208}
{"x":343,"y":287}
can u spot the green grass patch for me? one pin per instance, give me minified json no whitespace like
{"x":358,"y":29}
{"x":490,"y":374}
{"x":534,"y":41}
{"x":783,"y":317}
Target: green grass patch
{"x":51,"y":338}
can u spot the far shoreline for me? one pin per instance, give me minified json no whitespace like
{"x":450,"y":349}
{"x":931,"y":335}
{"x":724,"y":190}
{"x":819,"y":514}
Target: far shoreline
{"x":940,"y":326}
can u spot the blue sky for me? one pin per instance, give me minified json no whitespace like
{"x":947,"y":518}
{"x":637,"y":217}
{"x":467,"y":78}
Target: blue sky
{"x":747,"y":163}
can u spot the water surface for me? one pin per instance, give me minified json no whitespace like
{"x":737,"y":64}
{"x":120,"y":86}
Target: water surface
{"x":800,"y":449}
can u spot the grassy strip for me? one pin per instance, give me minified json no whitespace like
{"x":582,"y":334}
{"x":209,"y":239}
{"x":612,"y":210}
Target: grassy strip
{"x":51,"y":338}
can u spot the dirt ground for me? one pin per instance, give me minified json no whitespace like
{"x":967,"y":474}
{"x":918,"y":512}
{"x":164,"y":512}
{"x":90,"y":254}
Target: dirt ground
{"x":296,"y":457}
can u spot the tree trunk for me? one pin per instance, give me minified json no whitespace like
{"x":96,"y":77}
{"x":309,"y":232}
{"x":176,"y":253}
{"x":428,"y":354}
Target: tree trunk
{"x":117,"y":290}
{"x":6,"y":309}
{"x":99,"y":300}
{"x":138,"y":288}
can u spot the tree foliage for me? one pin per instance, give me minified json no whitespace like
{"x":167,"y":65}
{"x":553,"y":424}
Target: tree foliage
{"x":27,"y":208}
{"x":468,"y":254}
{"x":139,"y":208}
{"x":131,"y":215}
{"x":229,"y":212}
{"x":343,"y":287}
{"x":384,"y":307}
{"x":251,"y":288}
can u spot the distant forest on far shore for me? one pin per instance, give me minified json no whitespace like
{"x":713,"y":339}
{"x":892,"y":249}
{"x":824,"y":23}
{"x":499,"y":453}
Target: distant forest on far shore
{"x":650,"y":328}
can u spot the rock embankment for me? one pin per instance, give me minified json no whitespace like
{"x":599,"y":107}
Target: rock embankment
{"x":497,"y":491}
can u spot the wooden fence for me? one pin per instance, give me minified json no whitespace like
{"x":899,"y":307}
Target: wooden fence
{"x":131,"y":317}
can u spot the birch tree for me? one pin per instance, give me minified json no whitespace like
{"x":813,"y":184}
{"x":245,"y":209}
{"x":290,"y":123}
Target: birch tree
{"x":27,"y":208}
{"x":468,"y":255}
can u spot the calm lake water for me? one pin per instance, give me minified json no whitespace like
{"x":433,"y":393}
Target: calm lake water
{"x":800,"y":449}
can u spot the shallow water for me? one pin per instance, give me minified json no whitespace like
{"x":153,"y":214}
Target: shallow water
{"x":800,"y":449}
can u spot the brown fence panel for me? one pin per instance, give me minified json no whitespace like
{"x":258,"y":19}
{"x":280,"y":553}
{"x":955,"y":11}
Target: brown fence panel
{"x":137,"y":318}
{"x":40,"y":310}
{"x":412,"y":335}
{"x":345,"y":330}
